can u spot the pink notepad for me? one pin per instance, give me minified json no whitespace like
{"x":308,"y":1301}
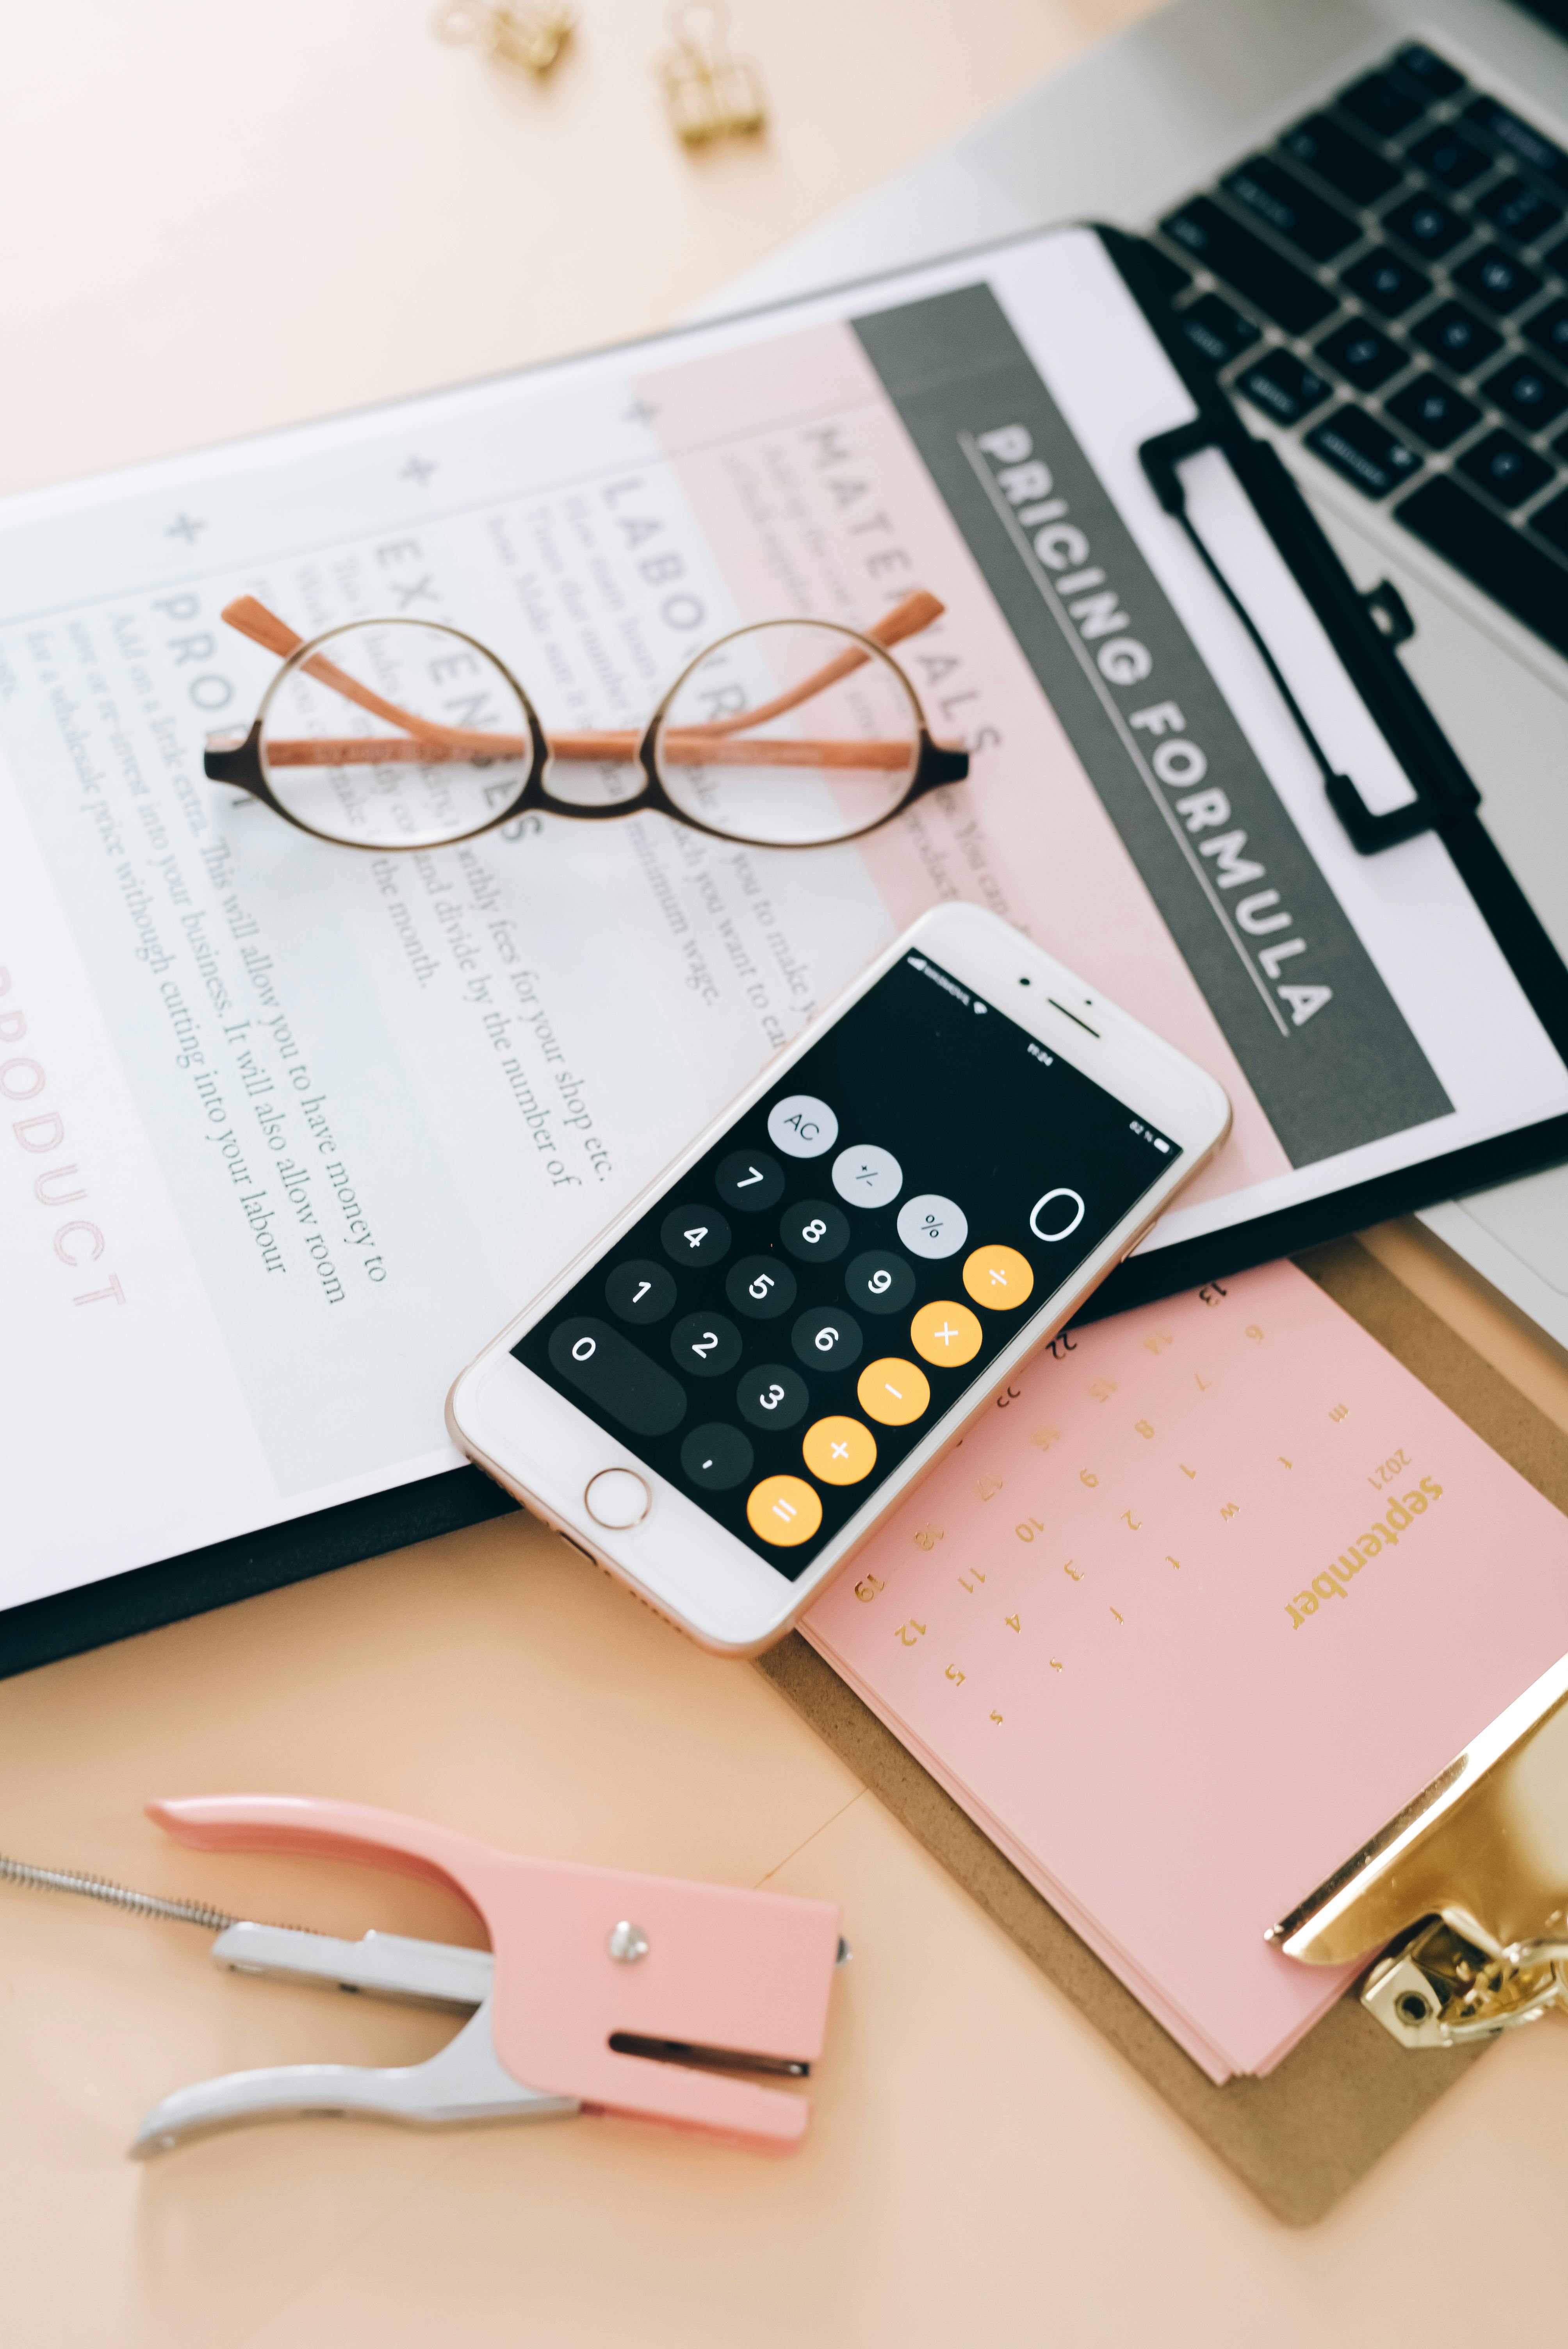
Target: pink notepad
{"x":1211,"y":1594}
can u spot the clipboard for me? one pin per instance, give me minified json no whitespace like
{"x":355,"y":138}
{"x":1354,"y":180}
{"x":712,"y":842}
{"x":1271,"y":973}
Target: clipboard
{"x":1364,"y":632}
{"x":1442,"y":1877}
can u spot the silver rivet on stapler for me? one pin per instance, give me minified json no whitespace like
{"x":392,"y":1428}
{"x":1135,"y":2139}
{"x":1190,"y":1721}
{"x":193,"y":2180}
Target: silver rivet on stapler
{"x":627,"y":1943}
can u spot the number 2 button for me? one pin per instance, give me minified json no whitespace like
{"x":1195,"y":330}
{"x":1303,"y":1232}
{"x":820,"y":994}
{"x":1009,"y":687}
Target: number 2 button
{"x":705,"y":1345}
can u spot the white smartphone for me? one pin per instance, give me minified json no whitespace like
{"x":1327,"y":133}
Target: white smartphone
{"x":721,"y":1397}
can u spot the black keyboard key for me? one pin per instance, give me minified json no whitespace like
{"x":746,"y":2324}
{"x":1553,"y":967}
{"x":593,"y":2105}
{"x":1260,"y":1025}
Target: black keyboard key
{"x":1514,"y":208}
{"x":1277,"y":198}
{"x":1260,"y":274}
{"x":1505,"y":468}
{"x":1551,"y":521}
{"x":1168,"y":275}
{"x":1284,"y":386}
{"x":1497,"y":281}
{"x":1495,"y":555}
{"x":1362,"y":353}
{"x":1431,"y":73}
{"x":1435,"y":413}
{"x":1457,"y":337}
{"x":1382,"y":104}
{"x":1427,"y":225}
{"x":1216,"y":332}
{"x":1548,"y":330}
{"x":1364,"y":450}
{"x":1527,"y":392}
{"x":1448,"y":155}
{"x":1510,"y":130}
{"x":1386,"y":284}
{"x":1341,"y":159}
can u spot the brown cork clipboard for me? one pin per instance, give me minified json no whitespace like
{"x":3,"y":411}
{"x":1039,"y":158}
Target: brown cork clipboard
{"x":1303,"y":2137}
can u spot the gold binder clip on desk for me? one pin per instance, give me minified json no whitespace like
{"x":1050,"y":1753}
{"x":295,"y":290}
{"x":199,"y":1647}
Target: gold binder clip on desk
{"x":709,"y":92}
{"x":1468,"y":1884}
{"x":530,"y":37}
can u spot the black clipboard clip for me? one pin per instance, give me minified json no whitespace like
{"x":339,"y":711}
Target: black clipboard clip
{"x":1364,"y":629}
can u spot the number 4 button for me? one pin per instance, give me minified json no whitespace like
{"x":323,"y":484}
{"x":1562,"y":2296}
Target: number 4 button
{"x":694,"y":1234}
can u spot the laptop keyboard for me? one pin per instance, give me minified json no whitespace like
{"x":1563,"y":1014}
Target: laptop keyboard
{"x":1389,"y":282}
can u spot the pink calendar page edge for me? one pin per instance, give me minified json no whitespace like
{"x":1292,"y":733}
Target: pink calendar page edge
{"x":1210,"y":2058}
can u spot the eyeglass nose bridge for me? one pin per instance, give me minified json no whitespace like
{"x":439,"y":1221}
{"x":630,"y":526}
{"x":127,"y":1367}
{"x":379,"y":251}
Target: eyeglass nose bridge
{"x":234,"y":756}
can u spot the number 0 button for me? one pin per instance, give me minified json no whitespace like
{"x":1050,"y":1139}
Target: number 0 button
{"x":892,"y":1393}
{"x":783,"y":1510}
{"x":695,"y":1236}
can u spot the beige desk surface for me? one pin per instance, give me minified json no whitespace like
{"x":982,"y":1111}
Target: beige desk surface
{"x":218,"y":218}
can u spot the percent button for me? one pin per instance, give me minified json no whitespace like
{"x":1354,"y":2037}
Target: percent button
{"x":932,"y":1227}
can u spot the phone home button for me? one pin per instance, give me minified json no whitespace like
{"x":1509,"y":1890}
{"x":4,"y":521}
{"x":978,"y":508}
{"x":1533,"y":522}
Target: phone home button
{"x":616,"y":1499}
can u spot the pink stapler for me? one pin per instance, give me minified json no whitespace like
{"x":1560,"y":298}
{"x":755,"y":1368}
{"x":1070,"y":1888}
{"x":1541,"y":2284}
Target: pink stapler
{"x":600,"y":1990}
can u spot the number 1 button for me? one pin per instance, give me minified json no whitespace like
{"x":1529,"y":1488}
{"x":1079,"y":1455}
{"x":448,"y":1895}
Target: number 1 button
{"x":893,"y":1391}
{"x":783,"y":1510}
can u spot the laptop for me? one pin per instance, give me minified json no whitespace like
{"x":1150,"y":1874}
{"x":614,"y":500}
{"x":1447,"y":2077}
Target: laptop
{"x":1360,"y":211}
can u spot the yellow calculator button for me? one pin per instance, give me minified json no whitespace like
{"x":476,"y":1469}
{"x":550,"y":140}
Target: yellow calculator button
{"x":840,"y":1451}
{"x":999,"y":1278}
{"x":892,"y":1393}
{"x":946,"y":1334}
{"x":783,"y":1510}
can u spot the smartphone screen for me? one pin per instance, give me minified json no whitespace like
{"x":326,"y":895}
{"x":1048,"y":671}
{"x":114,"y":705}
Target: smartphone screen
{"x":778,"y":1332}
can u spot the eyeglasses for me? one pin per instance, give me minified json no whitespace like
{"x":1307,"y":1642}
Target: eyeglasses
{"x":786,"y":734}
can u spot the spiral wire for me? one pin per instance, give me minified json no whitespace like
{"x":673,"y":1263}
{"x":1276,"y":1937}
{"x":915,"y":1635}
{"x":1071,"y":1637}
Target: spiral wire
{"x":117,"y":1896}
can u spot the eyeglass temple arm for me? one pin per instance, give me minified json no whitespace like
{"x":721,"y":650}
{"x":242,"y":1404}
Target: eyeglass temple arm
{"x":252,"y":619}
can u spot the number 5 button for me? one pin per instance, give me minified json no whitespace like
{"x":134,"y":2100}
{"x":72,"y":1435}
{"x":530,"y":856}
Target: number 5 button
{"x":892,"y":1393}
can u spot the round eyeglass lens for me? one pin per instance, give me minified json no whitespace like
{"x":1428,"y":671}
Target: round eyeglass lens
{"x":790,"y":735}
{"x":395,"y":734}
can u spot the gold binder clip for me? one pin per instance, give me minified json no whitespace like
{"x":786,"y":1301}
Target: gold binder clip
{"x":709,"y":92}
{"x":532,"y":36}
{"x":1468,"y":1885}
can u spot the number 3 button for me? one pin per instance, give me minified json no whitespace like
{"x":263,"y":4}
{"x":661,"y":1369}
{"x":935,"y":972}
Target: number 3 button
{"x":772,"y":1396}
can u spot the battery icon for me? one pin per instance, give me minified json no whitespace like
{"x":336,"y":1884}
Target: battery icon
{"x":1164,"y":1147}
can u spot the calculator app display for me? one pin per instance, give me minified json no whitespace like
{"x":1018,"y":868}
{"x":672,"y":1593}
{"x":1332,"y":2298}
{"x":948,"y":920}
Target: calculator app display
{"x":778,"y":1333}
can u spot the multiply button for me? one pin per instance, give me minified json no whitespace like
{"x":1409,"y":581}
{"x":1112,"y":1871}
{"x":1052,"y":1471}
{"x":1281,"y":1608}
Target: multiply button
{"x":999,"y":1278}
{"x":892,"y":1393}
{"x":783,"y":1510}
{"x":946,"y":1334}
{"x":838,"y":1451}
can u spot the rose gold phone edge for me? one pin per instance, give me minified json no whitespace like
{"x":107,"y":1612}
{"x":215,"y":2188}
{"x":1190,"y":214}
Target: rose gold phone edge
{"x":1113,"y":1054}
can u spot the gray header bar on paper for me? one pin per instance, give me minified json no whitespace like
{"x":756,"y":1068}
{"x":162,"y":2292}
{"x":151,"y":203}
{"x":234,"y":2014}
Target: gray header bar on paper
{"x":1301,"y":1004}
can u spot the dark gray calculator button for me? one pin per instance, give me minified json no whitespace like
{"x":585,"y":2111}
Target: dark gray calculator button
{"x":880,"y":1281}
{"x":814,"y":1231}
{"x":705,"y":1345}
{"x":716,"y":1457}
{"x":772,"y":1396}
{"x":760,"y":1287}
{"x":749,"y":1180}
{"x":694,"y":1234}
{"x":826,"y":1338}
{"x":640,"y":1291}
{"x":617,"y":1376}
